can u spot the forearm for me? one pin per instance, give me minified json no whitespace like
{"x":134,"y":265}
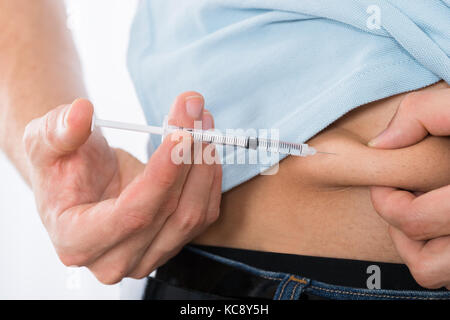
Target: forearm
{"x":39,"y":68}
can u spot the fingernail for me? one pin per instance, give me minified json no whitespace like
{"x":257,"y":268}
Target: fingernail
{"x":377,"y":139}
{"x":194,"y":106}
{"x":208,"y":121}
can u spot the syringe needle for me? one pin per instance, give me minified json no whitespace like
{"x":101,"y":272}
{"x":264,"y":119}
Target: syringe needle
{"x":335,"y":154}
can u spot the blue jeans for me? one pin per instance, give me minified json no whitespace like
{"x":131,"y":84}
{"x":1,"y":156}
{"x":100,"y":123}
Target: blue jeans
{"x":293,"y":286}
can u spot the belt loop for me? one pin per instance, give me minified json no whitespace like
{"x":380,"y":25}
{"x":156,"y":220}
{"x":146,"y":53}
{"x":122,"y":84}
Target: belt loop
{"x":291,"y":287}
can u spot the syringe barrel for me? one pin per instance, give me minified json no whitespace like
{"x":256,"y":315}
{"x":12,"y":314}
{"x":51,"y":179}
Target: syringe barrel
{"x":253,"y":143}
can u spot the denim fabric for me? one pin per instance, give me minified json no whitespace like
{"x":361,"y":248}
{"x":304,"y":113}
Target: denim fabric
{"x":292,"y":286}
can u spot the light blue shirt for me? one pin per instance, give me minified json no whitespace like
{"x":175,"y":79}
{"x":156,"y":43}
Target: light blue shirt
{"x":296,"y":66}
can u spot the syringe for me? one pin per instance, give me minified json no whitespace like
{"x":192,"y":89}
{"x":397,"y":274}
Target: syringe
{"x":215,"y":137}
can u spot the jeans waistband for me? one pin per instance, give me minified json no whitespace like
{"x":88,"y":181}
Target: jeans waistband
{"x":337,"y":271}
{"x":288,"y":286}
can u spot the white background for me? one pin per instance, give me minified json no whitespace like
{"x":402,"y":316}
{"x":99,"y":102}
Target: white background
{"x":29,"y":267}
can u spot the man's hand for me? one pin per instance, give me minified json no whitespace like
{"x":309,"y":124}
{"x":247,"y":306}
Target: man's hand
{"x":419,"y":224}
{"x":106,"y":210}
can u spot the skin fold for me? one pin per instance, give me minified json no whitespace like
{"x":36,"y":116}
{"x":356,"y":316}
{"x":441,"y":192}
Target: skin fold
{"x":321,"y":205}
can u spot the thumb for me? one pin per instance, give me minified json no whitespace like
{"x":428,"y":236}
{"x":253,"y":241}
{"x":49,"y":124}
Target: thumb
{"x":60,"y":132}
{"x":187,"y":108}
{"x":403,"y":130}
{"x":419,"y":114}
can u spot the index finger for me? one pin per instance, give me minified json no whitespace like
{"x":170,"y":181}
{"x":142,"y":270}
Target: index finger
{"x":420,"y":218}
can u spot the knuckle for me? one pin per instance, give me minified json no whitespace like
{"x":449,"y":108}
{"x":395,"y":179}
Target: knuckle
{"x":423,"y":271}
{"x":203,"y":218}
{"x":29,"y":136}
{"x":389,"y":208}
{"x":213,"y":216}
{"x":141,"y":275}
{"x":136,"y":221}
{"x":165,"y":254}
{"x":186,"y":223}
{"x":144,"y":272}
{"x":413,"y":226}
{"x":158,"y":252}
{"x":70,"y":260}
{"x":189,"y":220}
{"x":110,"y":276}
{"x":67,"y":253}
{"x":413,"y":230}
{"x":161,"y":181}
{"x":49,"y":136}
